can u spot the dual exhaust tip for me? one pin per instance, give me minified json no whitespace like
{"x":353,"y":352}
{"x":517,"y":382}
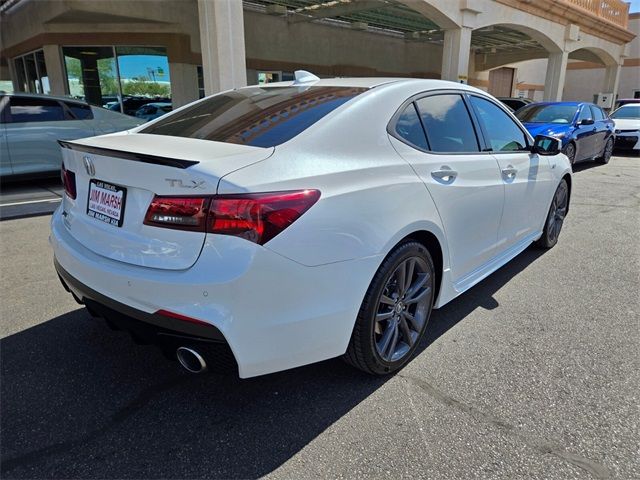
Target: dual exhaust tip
{"x":191,"y":360}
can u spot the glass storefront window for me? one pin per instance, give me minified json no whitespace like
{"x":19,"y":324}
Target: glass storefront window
{"x":31,"y":73}
{"x":120,"y":78}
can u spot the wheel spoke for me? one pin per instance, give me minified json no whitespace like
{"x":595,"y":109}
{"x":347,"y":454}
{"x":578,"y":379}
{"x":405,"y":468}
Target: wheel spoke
{"x":406,"y":332}
{"x":394,"y":341}
{"x":401,"y":275}
{"x":387,"y":300}
{"x":421,"y":281}
{"x":409,"y":273}
{"x":383,"y":345}
{"x":418,"y":296}
{"x":412,"y":320}
{"x":384,"y":316}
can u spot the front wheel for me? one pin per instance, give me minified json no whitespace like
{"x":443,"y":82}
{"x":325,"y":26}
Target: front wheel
{"x":395,"y":311}
{"x":555,"y":217}
{"x":570,"y":152}
{"x":607,"y":152}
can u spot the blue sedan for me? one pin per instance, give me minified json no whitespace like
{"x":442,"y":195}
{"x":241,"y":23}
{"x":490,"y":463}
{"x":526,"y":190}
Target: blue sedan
{"x":586,"y":132}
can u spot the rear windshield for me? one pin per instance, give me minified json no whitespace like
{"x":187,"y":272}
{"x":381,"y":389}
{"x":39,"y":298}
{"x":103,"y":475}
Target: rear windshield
{"x":260,"y":117}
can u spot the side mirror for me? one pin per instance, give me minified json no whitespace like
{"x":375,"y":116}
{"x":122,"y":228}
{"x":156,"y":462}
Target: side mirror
{"x":586,"y":121}
{"x":543,"y":145}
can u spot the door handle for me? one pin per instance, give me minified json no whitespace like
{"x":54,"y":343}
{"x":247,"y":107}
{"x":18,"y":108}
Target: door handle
{"x":445,"y":174}
{"x":509,"y":172}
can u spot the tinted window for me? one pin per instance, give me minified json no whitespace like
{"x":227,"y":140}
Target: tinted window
{"x":597,"y":113}
{"x":503,"y":134}
{"x":541,"y":113}
{"x":25,"y":109}
{"x":585,"y":114}
{"x":447,"y":124}
{"x":408,"y":126}
{"x":261,"y":117}
{"x":80,"y":111}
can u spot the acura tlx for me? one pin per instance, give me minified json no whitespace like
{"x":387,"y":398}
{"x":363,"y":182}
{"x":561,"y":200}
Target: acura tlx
{"x":273,"y":226}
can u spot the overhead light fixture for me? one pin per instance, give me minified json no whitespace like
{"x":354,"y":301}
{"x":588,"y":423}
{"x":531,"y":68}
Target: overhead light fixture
{"x":86,"y":52}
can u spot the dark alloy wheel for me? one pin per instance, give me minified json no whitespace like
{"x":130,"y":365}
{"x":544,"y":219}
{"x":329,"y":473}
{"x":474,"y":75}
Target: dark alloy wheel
{"x":555,"y":218}
{"x":570,"y":152}
{"x":395,"y":311}
{"x":607,"y":152}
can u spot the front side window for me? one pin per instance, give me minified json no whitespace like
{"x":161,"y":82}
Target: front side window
{"x":25,"y":109}
{"x":447,"y":124}
{"x":256,"y":116}
{"x":585,"y":114}
{"x":502,"y":133}
{"x":408,"y":127}
{"x":597,"y":113}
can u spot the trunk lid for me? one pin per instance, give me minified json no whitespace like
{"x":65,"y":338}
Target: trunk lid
{"x":118,"y":175}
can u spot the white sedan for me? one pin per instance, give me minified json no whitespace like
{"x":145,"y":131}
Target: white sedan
{"x":32,"y":124}
{"x":627,"y":120}
{"x":276,"y":226}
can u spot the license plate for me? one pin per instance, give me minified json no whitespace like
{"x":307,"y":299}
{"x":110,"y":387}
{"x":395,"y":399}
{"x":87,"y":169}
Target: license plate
{"x":106,"y":202}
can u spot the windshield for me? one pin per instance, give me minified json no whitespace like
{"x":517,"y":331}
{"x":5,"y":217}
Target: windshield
{"x":630,"y":111}
{"x":256,"y":116}
{"x":546,"y":113}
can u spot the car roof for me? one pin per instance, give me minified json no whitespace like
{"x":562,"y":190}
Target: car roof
{"x":568,"y":104}
{"x":40,"y":95}
{"x":372,"y":82}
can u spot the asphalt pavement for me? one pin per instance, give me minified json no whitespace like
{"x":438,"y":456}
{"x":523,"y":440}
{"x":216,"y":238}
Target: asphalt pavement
{"x":534,"y":373}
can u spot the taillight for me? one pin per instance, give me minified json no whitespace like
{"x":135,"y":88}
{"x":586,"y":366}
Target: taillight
{"x":183,"y":213}
{"x":257,"y":217}
{"x":68,"y":182}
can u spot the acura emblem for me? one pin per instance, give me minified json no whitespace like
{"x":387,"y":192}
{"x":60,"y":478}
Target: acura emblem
{"x":88,"y":166}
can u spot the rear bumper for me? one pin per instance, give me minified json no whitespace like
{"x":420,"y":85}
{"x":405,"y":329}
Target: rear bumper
{"x":273,"y":313}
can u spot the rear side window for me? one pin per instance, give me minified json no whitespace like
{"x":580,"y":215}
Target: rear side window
{"x":25,"y":109}
{"x":502,"y":133}
{"x":408,"y":126}
{"x":260,"y":117}
{"x":80,"y":111}
{"x":447,"y":124}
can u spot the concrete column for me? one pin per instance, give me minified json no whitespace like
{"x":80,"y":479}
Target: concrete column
{"x":184,"y":83}
{"x":222,"y":44}
{"x":556,"y":72}
{"x":55,"y":70}
{"x":455,"y":54}
{"x":611,"y":80}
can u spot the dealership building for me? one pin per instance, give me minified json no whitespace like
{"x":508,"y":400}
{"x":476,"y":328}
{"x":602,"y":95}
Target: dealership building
{"x":102,"y":50}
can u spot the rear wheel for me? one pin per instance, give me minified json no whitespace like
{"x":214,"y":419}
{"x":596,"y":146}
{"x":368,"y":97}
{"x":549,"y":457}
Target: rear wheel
{"x":555,"y":217}
{"x":607,"y":152}
{"x":570,"y":152}
{"x":395,"y":311}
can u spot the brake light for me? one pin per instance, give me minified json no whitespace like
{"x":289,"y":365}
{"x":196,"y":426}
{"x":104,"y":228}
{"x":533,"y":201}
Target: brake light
{"x":183,"y":213}
{"x":257,"y":217}
{"x":68,"y":182}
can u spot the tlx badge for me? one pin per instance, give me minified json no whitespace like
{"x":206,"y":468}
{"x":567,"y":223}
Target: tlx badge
{"x":177,"y":183}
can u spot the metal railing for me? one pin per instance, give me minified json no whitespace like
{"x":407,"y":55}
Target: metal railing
{"x":615,"y":11}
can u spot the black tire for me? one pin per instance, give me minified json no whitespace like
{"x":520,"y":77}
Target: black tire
{"x":555,"y":217}
{"x":607,"y":152}
{"x":363,"y":350}
{"x":570,"y":152}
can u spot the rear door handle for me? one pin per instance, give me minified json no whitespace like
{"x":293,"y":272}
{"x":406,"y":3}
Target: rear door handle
{"x":445,"y":174}
{"x":509,"y":172}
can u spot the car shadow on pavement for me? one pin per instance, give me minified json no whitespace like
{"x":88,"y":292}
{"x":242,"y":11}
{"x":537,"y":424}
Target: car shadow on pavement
{"x":82,"y":401}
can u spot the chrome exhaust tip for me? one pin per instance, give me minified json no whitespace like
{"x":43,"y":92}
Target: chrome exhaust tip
{"x":191,"y":360}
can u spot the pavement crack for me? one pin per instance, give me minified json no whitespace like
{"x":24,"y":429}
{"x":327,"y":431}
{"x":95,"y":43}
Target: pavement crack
{"x":543,"y":446}
{"x":127,"y":411}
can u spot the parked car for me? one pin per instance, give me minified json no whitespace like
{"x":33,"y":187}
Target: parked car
{"x":131,"y":105}
{"x":153,"y":110}
{"x":286,"y":224}
{"x":32,"y":124}
{"x":626,"y":101}
{"x":627,"y":127}
{"x":515,"y":102}
{"x":586,"y":132}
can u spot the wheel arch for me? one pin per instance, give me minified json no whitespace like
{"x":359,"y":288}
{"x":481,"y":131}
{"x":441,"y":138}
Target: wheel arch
{"x":567,"y":178}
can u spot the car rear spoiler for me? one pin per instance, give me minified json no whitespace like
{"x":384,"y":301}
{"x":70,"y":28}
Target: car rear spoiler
{"x":135,"y":157}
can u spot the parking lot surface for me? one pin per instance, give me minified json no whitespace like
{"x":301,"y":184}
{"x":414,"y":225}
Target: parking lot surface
{"x":533,"y":373}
